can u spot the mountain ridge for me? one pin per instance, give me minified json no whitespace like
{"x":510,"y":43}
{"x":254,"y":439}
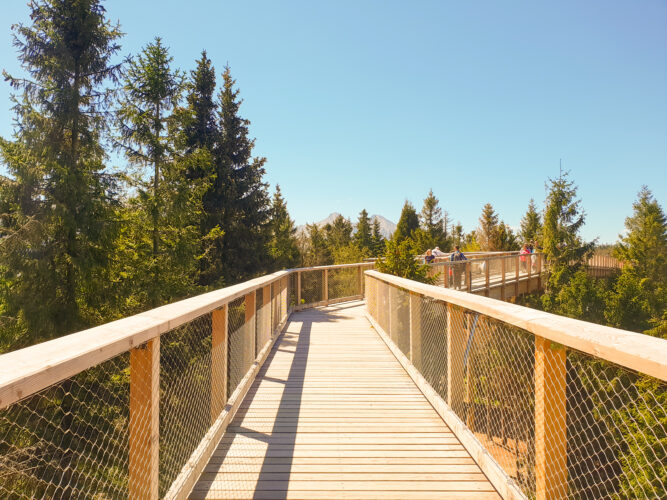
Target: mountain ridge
{"x":387,"y":227}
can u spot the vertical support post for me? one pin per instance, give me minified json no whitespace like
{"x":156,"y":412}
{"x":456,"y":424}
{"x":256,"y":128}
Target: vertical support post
{"x":502,"y":280}
{"x":144,"y":420}
{"x":218,"y":361}
{"x":415,"y":330}
{"x":249,"y":341}
{"x":298,"y":290}
{"x":325,"y":286}
{"x":468,"y":277}
{"x":362,"y":290}
{"x":486,"y":277}
{"x":457,"y":337}
{"x":389,"y":309}
{"x":550,"y":421}
{"x":529,"y":263}
{"x":539,"y":271}
{"x":516,"y":275}
{"x":268,"y":318}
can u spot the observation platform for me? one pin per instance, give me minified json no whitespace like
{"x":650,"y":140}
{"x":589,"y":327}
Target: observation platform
{"x":333,"y":415}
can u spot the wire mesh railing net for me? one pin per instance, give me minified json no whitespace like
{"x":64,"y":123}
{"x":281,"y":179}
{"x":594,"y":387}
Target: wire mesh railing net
{"x":560,"y":423}
{"x":69,"y":439}
{"x":343,"y":282}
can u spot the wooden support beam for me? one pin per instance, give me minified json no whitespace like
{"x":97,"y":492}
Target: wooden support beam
{"x":529,"y":263}
{"x":487,"y":266}
{"x":539,"y":271}
{"x":144,"y":429}
{"x":457,"y":337}
{"x":550,"y":420}
{"x":468,"y":277}
{"x":502,"y":280}
{"x":298,"y":289}
{"x":360,"y":272}
{"x":325,"y":286}
{"x":218,"y":361}
{"x":415,"y":330}
{"x":517,"y":266}
{"x":249,"y":341}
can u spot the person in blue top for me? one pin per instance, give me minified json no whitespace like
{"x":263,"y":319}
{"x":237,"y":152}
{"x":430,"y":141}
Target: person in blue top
{"x":456,"y":269}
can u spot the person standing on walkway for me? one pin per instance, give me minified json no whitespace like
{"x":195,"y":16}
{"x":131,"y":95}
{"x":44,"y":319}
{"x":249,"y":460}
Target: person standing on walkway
{"x":457,"y":268}
{"x":524,"y":251}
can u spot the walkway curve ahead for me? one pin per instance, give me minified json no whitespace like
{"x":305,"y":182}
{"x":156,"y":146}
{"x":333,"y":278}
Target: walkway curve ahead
{"x":333,"y":415}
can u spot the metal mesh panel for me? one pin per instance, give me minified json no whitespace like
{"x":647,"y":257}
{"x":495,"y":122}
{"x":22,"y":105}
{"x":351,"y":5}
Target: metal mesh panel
{"x":311,"y":287}
{"x":185,"y":395}
{"x":70,"y":439}
{"x":240,"y":334}
{"x":400,"y":318}
{"x":263,"y":319}
{"x":561,"y":423}
{"x":343,"y":282}
{"x":292,"y":293}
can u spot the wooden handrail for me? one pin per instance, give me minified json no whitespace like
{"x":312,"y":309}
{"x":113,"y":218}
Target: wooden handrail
{"x":638,"y":352}
{"x":34,"y":368}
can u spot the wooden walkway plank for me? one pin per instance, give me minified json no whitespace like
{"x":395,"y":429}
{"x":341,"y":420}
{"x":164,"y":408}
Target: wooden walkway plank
{"x":333,"y":415}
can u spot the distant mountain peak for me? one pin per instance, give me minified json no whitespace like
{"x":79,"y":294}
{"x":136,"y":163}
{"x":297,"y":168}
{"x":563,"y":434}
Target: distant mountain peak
{"x":387,"y":227}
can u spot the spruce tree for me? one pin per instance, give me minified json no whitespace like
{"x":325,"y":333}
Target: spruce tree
{"x":488,"y":227}
{"x":58,"y":197}
{"x":563,"y":247}
{"x":378,"y":241}
{"x":236,"y":204}
{"x":339,"y":232}
{"x":200,"y":128}
{"x":363,"y":236}
{"x":151,"y":91}
{"x":432,"y":222}
{"x":283,"y":247}
{"x":408,"y":223}
{"x":531,"y":224}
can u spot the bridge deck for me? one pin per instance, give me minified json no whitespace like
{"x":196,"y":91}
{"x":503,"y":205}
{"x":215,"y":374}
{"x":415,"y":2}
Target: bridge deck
{"x":332,"y":414}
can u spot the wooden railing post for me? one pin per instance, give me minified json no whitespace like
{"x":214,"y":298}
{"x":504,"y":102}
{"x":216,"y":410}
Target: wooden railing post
{"x":550,"y":421}
{"x":468,"y":276}
{"x":502,"y":280}
{"x":456,"y":345}
{"x":298,"y":290}
{"x":516,"y":275}
{"x":415,"y":330}
{"x":539,"y":271}
{"x":144,"y":429}
{"x":325,"y":286}
{"x":529,"y":263}
{"x":250,"y":319}
{"x":487,"y":267}
{"x":360,"y":272}
{"x":268,"y":319}
{"x":218,"y":361}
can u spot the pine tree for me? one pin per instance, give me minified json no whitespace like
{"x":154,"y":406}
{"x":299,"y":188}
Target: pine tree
{"x":531,"y":224}
{"x":58,"y":196}
{"x":432,"y":221}
{"x":644,"y":247}
{"x":408,"y":223}
{"x":505,"y":239}
{"x":283,"y":247}
{"x":338,"y":233}
{"x":363,"y":236}
{"x":487,"y":231}
{"x":316,"y":252}
{"x":237,"y":203}
{"x":564,"y":249}
{"x":378,"y":241}
{"x":165,"y":208}
{"x":201,"y":129}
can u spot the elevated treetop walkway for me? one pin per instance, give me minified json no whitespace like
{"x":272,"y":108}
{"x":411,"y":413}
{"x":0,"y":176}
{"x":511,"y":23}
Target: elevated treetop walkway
{"x":243,"y":393}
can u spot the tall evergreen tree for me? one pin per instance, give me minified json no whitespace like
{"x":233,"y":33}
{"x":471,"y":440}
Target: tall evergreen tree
{"x":431,"y":220}
{"x":237,"y":203}
{"x":283,"y":247}
{"x":378,"y":241}
{"x":408,"y":223}
{"x":531,"y":224}
{"x":564,"y":249}
{"x":339,"y":232}
{"x":488,"y":227}
{"x":316,"y":250}
{"x":200,"y":128}
{"x":58,"y":198}
{"x":152,"y":89}
{"x":363,"y":236}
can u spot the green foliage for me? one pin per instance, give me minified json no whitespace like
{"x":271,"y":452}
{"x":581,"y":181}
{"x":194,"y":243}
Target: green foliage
{"x":57,"y":200}
{"x":433,"y":230}
{"x":399,"y":260}
{"x":488,"y":225}
{"x":315,"y":250}
{"x":378,"y":241}
{"x":338,"y":233}
{"x":407,"y":224}
{"x":283,"y":247}
{"x":531,"y":224}
{"x":363,"y":236}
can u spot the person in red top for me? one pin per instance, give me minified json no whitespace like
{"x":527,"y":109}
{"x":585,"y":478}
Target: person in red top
{"x":524,"y":251}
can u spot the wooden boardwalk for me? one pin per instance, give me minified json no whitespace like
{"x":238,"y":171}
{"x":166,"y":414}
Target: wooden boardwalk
{"x":333,"y":415}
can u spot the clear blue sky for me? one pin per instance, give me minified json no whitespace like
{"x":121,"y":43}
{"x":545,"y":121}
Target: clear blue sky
{"x":363,"y":104}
